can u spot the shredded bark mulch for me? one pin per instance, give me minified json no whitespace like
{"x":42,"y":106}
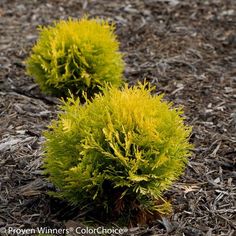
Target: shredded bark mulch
{"x":186,"y":48}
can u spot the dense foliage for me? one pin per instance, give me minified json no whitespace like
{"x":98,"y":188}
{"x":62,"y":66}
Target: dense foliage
{"x":119,"y":151}
{"x":77,"y":55}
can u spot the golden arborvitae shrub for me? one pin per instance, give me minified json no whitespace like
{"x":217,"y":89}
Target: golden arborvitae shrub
{"x":118,"y":152}
{"x":76,"y":55}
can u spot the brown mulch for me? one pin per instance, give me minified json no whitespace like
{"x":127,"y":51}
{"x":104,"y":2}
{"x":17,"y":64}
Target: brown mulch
{"x":186,"y":48}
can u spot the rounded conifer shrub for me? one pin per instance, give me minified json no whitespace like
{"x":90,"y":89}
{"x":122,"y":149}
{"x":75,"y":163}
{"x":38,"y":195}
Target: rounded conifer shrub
{"x":118,"y":152}
{"x":76,"y":55}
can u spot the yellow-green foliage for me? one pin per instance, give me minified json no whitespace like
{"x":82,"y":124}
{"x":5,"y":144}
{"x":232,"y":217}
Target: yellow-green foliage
{"x":77,"y":55}
{"x":120,"y":151}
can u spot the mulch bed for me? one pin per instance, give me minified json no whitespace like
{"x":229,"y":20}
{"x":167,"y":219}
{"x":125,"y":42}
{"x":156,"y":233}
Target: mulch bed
{"x":186,"y":48}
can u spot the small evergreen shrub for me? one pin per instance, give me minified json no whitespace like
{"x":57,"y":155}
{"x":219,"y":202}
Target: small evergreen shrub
{"x":118,"y":152}
{"x":79,"y":55}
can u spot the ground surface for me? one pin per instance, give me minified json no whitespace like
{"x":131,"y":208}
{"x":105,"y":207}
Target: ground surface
{"x":186,"y":48}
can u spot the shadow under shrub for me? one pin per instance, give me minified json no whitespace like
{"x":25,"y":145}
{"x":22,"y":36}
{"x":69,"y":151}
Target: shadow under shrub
{"x":76,"y":55}
{"x":117,"y":153}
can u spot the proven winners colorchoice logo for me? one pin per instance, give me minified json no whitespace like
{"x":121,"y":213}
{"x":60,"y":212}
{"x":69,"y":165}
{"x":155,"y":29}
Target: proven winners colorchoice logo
{"x":79,"y":230}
